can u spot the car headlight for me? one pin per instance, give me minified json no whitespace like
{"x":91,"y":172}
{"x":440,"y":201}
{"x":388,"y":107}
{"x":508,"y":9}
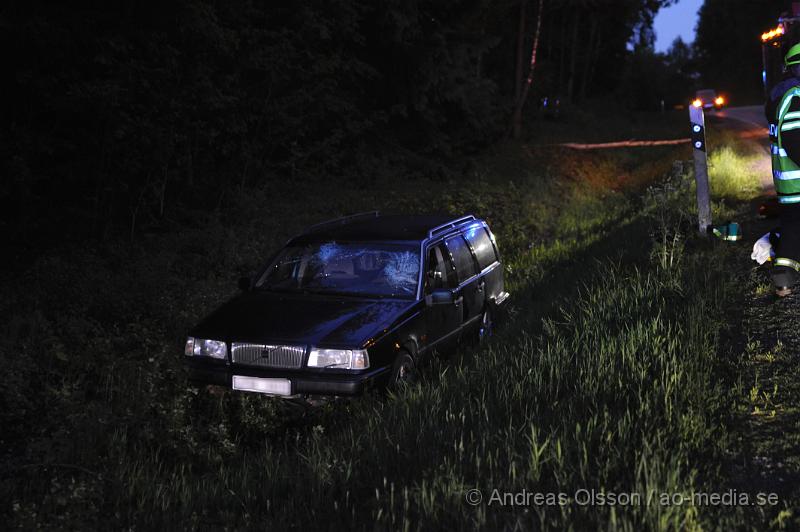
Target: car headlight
{"x":200,"y":347}
{"x":338,"y":358}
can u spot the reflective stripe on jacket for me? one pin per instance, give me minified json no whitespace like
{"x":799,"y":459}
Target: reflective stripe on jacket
{"x":785,"y":171}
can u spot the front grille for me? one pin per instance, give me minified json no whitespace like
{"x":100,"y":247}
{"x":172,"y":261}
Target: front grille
{"x":268,"y":356}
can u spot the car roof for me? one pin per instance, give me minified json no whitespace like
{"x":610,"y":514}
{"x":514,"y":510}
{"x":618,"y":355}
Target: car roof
{"x":380,"y":227}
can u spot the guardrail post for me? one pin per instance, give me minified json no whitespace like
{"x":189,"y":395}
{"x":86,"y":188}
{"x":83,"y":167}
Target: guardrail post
{"x":700,"y":168}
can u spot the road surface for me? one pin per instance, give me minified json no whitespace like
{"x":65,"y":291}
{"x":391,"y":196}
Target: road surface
{"x":752,"y":115}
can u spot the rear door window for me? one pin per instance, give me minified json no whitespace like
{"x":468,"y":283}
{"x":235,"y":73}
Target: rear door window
{"x":462,"y":257}
{"x":481,"y":244}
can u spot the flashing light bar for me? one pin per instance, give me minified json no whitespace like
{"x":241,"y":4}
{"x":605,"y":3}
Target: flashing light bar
{"x":772,"y":34}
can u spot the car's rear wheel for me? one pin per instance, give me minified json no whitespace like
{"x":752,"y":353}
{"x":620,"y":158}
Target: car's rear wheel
{"x":404,"y":371}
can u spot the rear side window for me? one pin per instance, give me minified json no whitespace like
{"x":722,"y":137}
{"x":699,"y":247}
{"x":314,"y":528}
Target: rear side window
{"x":462,"y":257}
{"x":479,"y":239}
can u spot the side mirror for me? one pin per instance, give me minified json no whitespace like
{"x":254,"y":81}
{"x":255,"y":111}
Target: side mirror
{"x":435,"y":275}
{"x":439,"y":297}
{"x":245,"y":284}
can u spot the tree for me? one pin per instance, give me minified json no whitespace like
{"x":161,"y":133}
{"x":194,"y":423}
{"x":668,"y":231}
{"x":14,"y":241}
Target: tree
{"x":728,"y":47}
{"x":681,"y":75}
{"x":521,"y":94}
{"x":119,"y":118}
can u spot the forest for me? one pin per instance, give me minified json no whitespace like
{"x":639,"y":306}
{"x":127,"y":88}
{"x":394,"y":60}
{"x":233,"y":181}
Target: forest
{"x":126,"y":117}
{"x":129,"y":117}
{"x":153,"y":152}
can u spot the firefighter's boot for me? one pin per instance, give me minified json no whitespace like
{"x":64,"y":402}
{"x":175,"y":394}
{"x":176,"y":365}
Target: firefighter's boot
{"x":785,"y":275}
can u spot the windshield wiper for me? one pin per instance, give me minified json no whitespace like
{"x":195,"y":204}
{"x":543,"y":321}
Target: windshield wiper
{"x":268,"y":288}
{"x":333,"y":293}
{"x":336,"y":293}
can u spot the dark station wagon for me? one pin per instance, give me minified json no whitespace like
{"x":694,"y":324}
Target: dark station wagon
{"x":352,"y":303}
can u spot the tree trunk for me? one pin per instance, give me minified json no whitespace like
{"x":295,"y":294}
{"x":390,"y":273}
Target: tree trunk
{"x":591,"y":57}
{"x":517,"y":118}
{"x":162,"y":194}
{"x":520,"y":48}
{"x":595,"y":57}
{"x":573,"y":58}
{"x":481,"y":51}
{"x":562,"y":54}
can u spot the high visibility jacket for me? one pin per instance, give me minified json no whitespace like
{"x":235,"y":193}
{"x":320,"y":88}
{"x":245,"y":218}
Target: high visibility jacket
{"x":785,"y":167}
{"x":783,"y":113}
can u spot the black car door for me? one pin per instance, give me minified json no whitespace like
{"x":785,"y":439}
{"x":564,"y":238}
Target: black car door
{"x":441,"y":320}
{"x":470,"y":284}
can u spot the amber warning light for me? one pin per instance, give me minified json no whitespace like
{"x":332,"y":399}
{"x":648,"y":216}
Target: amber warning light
{"x":771,"y":34}
{"x":697,"y":103}
{"x":720,"y":100}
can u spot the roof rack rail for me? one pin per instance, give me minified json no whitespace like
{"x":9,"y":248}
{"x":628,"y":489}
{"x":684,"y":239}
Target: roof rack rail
{"x":452,"y":224}
{"x":343,"y":220}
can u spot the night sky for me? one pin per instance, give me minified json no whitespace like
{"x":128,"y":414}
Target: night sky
{"x":677,"y":20}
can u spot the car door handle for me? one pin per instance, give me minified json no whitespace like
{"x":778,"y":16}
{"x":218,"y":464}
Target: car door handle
{"x":481,"y":285}
{"x":458,"y":300}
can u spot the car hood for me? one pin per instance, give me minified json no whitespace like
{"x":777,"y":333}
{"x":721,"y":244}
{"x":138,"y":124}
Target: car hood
{"x":265,"y":317}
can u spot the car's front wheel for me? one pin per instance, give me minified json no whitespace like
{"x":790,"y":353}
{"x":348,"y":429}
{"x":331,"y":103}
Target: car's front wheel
{"x":404,"y":370}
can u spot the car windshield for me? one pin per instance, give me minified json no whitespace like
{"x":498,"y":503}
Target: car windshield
{"x":346,"y":268}
{"x":706,"y":94}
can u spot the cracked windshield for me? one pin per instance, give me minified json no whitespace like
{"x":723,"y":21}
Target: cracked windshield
{"x":360,"y":269}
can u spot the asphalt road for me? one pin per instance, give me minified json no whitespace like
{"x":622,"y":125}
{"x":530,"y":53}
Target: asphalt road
{"x":752,"y":115}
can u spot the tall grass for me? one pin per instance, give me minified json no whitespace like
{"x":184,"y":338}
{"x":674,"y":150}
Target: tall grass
{"x":612,"y":391}
{"x":733,"y":175}
{"x":615,"y":394}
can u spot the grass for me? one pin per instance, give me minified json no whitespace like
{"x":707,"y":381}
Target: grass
{"x":611,"y":393}
{"x":731,"y":174}
{"x":606,"y":377}
{"x":608,"y":122}
{"x":764,"y":453}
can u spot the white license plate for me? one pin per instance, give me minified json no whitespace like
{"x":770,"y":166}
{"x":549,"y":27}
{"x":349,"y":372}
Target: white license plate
{"x":259,"y":385}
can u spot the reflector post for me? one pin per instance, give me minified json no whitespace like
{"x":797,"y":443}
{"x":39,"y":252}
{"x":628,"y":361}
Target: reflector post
{"x":697,"y":119}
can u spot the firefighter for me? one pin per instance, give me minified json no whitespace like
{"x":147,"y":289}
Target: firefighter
{"x":783,"y":115}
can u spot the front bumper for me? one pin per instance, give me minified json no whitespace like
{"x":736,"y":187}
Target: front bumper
{"x":303,"y":383}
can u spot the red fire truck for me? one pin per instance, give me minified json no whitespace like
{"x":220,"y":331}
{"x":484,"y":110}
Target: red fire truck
{"x":775,"y":44}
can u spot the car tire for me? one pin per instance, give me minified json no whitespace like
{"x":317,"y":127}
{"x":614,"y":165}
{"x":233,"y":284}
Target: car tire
{"x":404,"y":370}
{"x":485,"y":326}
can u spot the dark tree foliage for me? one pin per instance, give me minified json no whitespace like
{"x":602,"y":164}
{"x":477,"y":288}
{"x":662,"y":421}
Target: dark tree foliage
{"x":654,"y":79}
{"x":123,"y":116}
{"x":728,"y":44}
{"x":681,"y":76}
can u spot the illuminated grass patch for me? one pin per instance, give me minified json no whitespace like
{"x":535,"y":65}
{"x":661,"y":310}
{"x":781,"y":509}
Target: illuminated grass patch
{"x":733,"y":175}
